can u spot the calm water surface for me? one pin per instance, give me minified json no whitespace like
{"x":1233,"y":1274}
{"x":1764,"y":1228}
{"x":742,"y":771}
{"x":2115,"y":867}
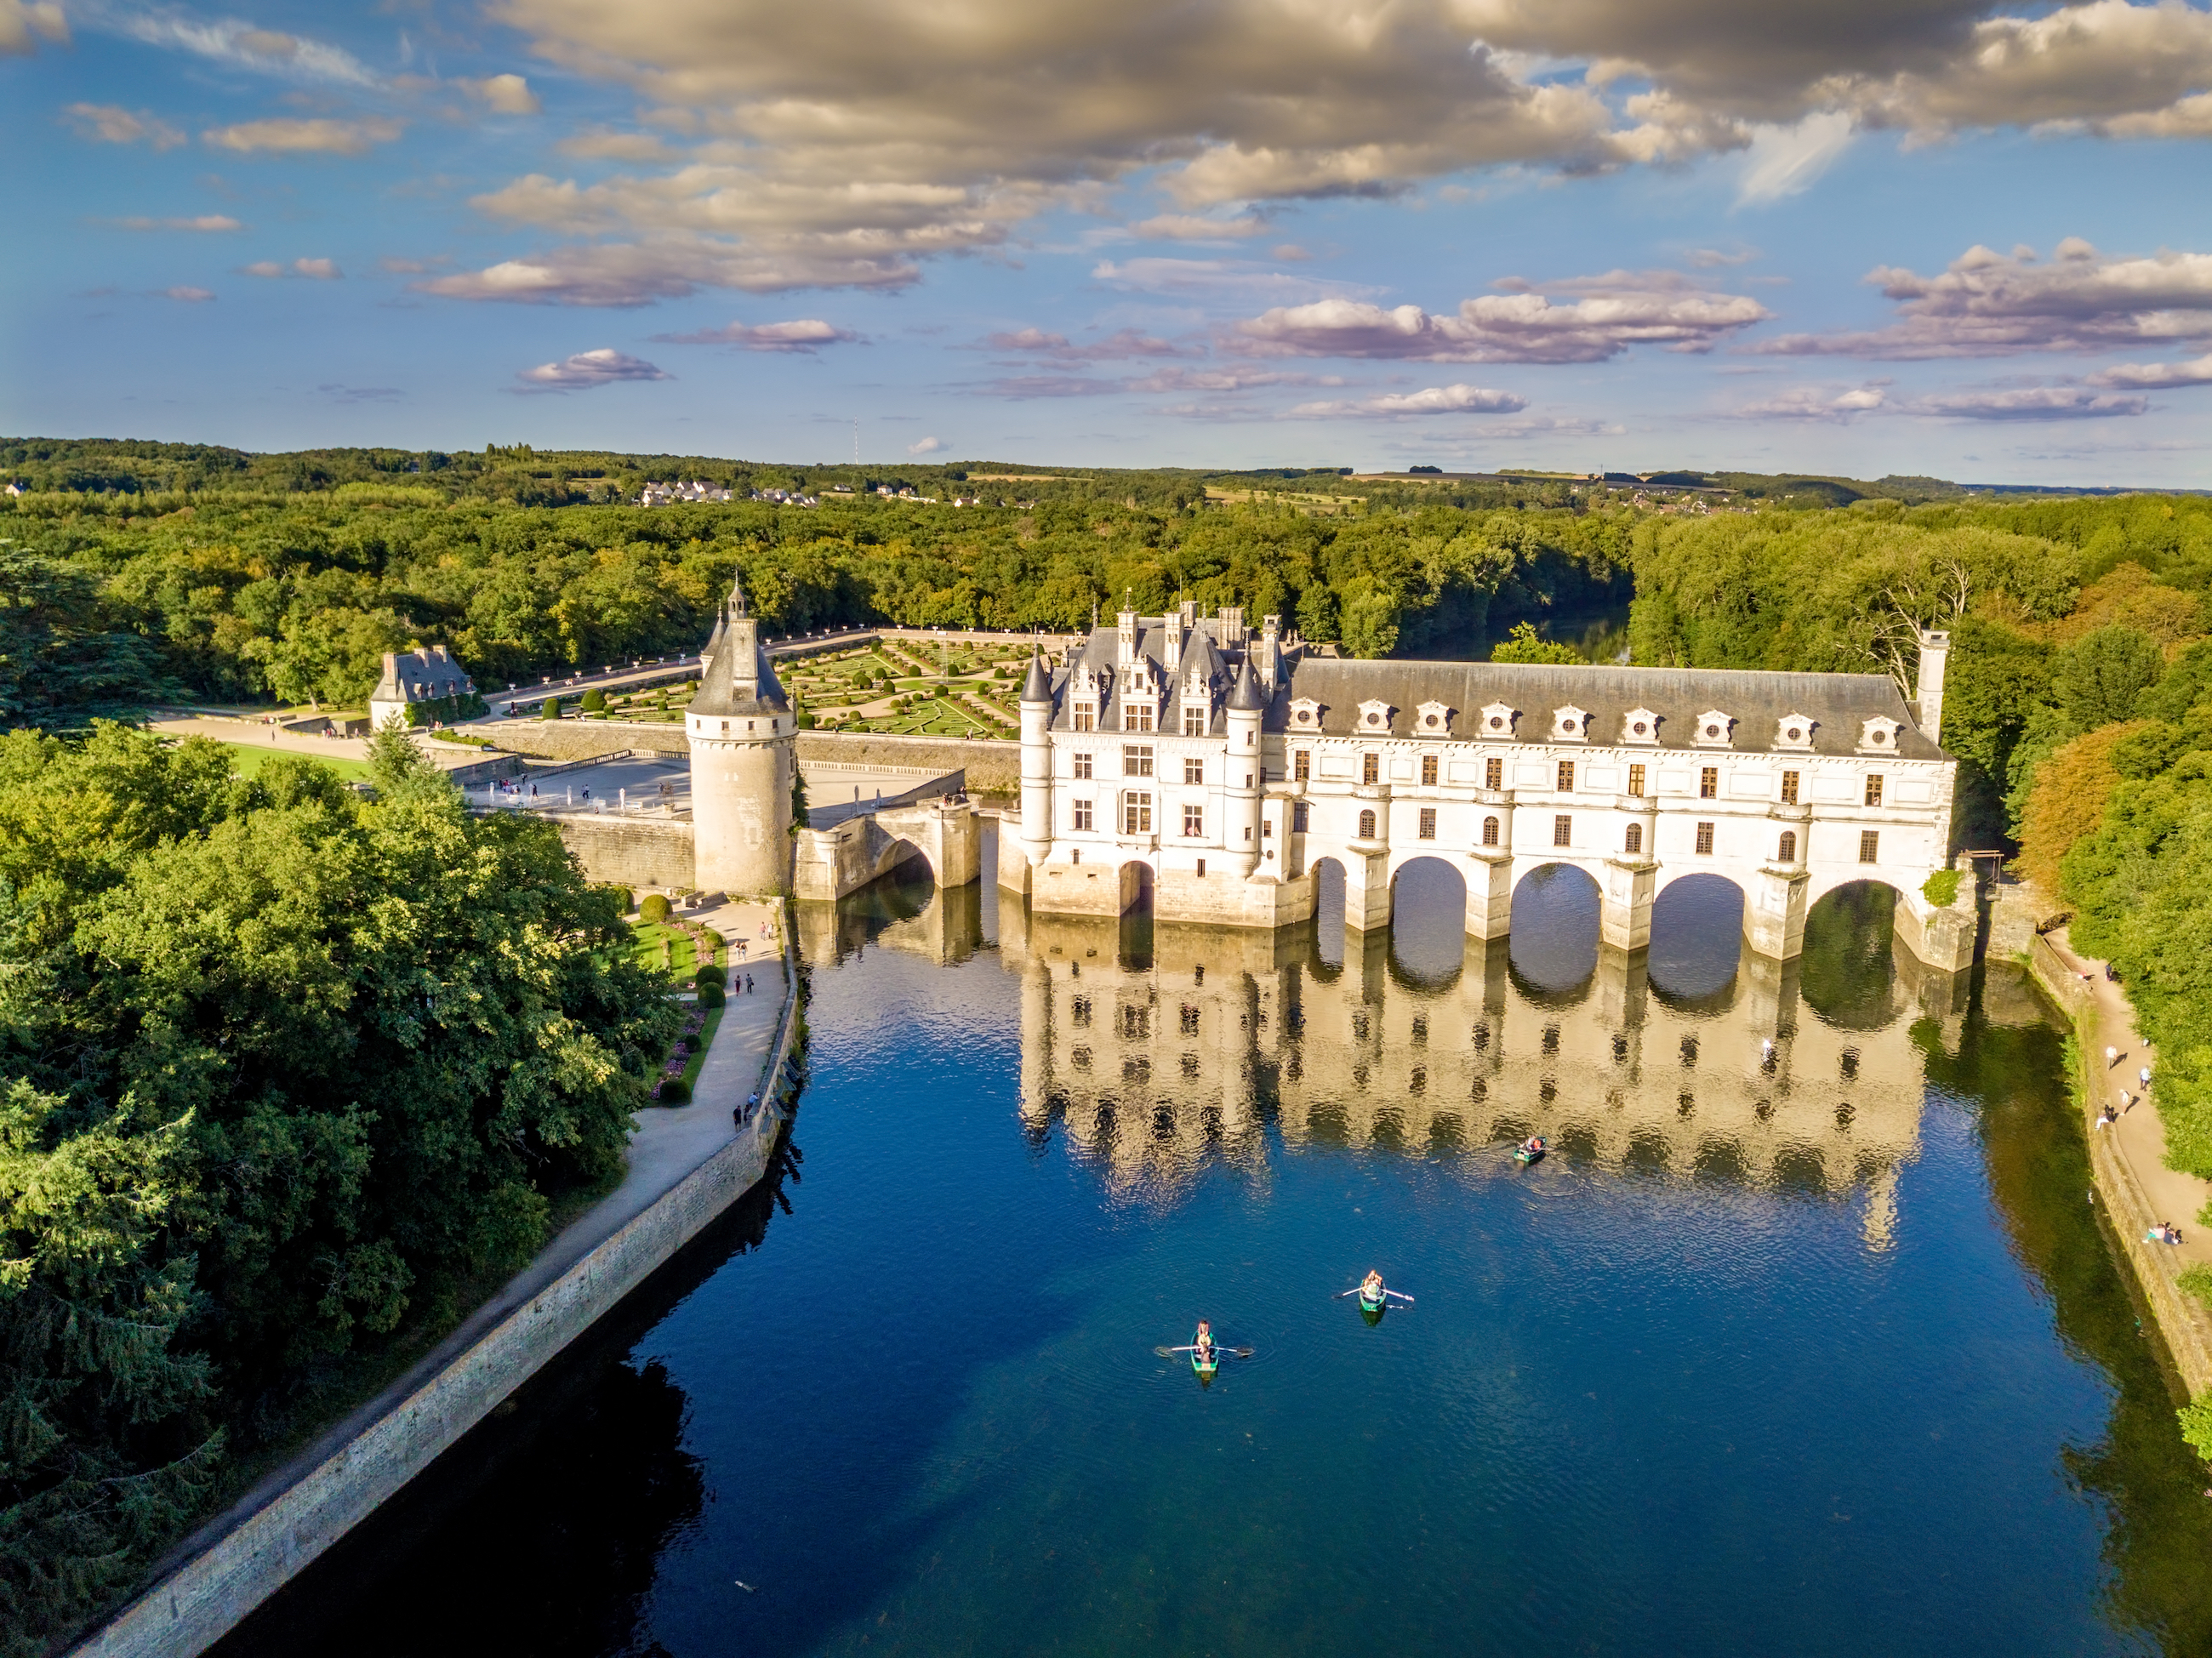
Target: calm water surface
{"x":1813,"y":1348}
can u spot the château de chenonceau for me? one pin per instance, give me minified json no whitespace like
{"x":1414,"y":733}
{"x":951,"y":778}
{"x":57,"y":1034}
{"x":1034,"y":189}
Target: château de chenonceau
{"x":1212,"y":773}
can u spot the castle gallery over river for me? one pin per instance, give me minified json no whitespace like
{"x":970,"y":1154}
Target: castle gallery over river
{"x":1213,"y":773}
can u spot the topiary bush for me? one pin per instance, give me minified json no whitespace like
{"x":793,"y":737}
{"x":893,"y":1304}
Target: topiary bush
{"x":708,"y":975}
{"x":652,"y":908}
{"x":672,"y":1092}
{"x":711,"y":994}
{"x":551,"y":708}
{"x":593,"y":702}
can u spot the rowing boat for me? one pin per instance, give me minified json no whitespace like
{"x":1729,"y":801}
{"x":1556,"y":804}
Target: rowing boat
{"x":1204,"y":1360}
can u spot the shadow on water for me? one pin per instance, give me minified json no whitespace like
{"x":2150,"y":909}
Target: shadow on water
{"x":1849,"y":972}
{"x":1697,"y":943}
{"x":542,"y":1530}
{"x":1553,"y":945}
{"x":2159,"y":1524}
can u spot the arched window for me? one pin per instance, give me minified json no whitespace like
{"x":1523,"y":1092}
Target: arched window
{"x":1787,"y":852}
{"x":1490,"y":831}
{"x":1634,"y":844}
{"x":1367,"y":826}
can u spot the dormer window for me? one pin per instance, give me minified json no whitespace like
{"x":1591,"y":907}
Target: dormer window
{"x":1305,"y":713}
{"x":1714,"y":729}
{"x":1432,"y":719}
{"x":1374,"y":716}
{"x":1793,"y":731}
{"x":1497,"y":720}
{"x":1571,"y":724}
{"x":1639,"y":726}
{"x":1879,"y":734}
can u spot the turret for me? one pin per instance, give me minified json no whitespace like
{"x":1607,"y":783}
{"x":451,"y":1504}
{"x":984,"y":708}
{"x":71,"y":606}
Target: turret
{"x":741,"y":734}
{"x":1271,"y":654}
{"x":1171,"y":637}
{"x":1242,"y":781}
{"x":1036,"y":763}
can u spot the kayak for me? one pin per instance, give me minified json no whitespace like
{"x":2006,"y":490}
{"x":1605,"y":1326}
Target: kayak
{"x":1205,"y":1364}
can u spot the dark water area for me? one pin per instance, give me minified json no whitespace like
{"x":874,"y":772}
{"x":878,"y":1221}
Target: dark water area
{"x":1803,"y":1337}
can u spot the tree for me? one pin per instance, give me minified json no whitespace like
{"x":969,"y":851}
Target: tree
{"x":1522,"y":646}
{"x":62,"y":664}
{"x":2099,"y":678}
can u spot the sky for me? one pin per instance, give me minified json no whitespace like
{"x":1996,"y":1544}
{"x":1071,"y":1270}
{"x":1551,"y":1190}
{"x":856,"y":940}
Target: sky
{"x":1860,"y":237}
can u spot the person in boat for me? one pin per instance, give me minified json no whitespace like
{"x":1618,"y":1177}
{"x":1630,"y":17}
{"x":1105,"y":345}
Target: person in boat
{"x":1533,"y":1145}
{"x":1203,"y":1341}
{"x":1371,"y":1287}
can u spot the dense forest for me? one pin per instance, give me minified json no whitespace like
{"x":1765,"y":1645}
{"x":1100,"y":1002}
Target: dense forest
{"x":289,"y":1070}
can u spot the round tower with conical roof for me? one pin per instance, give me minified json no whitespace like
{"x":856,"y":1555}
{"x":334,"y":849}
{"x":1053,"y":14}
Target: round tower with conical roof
{"x":742,"y":733}
{"x":1036,"y":763}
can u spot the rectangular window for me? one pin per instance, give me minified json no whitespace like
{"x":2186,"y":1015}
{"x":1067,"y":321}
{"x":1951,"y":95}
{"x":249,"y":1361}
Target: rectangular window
{"x":1708,"y":783}
{"x":1874,"y":789}
{"x":1563,"y":831}
{"x":1137,"y":760}
{"x":1567,"y":777}
{"x":1267,"y":830}
{"x":1869,"y":846}
{"x":1428,"y":823}
{"x":1298,"y":817}
{"x":1370,"y":767}
{"x":1083,"y":765}
{"x":1086,"y":717}
{"x":1193,"y":771}
{"x":1429,"y":771}
{"x":1493,"y":775}
{"x":1083,"y":817}
{"x":1201,"y":869}
{"x":1194,"y":722}
{"x":1704,"y":840}
{"x":1136,"y":813}
{"x":1636,"y":781}
{"x":1194,"y":821}
{"x":1789,"y":788}
{"x":1302,"y":766}
{"x":1136,"y":716}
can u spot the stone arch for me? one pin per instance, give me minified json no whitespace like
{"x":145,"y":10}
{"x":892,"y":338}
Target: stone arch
{"x":1553,"y":946}
{"x":1328,"y":876}
{"x":1136,"y":885}
{"x":1428,"y":919}
{"x":1697,"y":939}
{"x":1848,"y":974}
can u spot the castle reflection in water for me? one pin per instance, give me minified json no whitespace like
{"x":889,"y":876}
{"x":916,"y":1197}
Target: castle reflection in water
{"x":1155,"y":1051}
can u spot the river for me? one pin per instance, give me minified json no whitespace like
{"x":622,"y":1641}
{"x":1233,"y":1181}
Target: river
{"x":1814,"y":1348}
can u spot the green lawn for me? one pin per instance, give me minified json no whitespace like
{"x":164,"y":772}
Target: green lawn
{"x":645,"y":945}
{"x":252,"y":759}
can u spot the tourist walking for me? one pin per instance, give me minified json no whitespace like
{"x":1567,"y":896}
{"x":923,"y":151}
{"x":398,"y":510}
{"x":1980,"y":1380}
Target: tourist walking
{"x":2111,"y":1058}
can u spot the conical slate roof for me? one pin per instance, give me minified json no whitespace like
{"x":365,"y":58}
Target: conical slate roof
{"x":1246,"y":698}
{"x":1037,"y":688}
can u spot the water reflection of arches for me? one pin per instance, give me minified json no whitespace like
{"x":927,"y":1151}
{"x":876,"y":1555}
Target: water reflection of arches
{"x":1553,"y":943}
{"x":1328,"y":923}
{"x":1149,"y":1076}
{"x":1849,"y":970}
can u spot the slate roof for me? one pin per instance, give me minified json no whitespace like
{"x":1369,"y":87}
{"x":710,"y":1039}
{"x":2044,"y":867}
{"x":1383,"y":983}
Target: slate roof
{"x":718,"y":694}
{"x":418,"y":676}
{"x":1837,"y":704}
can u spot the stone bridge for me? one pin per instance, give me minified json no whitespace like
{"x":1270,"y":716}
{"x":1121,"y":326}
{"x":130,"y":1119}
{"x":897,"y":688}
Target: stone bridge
{"x":946,"y":834}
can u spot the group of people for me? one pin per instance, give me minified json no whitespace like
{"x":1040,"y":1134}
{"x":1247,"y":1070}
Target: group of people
{"x":2165,"y":1232}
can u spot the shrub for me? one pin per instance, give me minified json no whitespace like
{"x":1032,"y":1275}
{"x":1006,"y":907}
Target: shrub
{"x":2197,"y":1281}
{"x":711,"y":995}
{"x":593,"y":702}
{"x":672,"y":1092}
{"x":708,"y":975}
{"x":551,"y":710}
{"x":653,"y":908}
{"x":1941,"y":889}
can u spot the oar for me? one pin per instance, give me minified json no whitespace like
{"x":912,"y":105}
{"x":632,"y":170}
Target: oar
{"x":1400,"y":1294}
{"x":1170,"y":1353}
{"x":1353,"y":1290}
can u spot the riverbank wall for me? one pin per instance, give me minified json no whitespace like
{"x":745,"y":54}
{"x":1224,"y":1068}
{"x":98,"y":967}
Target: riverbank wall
{"x":2183,"y":1321}
{"x":238,"y":1559}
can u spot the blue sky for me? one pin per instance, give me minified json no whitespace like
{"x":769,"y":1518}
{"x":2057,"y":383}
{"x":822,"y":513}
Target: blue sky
{"x":1918,"y":236}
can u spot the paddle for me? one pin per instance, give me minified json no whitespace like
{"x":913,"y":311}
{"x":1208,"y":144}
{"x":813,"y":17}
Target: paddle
{"x":1233,"y":1353}
{"x":1400,"y":1294}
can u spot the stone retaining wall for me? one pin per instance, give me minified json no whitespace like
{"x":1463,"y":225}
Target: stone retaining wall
{"x":582,"y":739}
{"x":2181,"y":1320}
{"x":630,"y":849}
{"x":992,"y":769}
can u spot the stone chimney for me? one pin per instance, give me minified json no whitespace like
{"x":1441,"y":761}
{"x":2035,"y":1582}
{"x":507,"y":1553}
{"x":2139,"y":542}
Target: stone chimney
{"x":1233,"y":626}
{"x":1935,"y":651}
{"x":1171,"y":640}
{"x":1270,"y":650}
{"x":1127,"y":651}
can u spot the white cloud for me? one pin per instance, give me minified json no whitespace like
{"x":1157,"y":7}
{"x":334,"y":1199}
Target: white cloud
{"x":1198,"y":227}
{"x":1458,"y":399}
{"x":1815,"y":404}
{"x":616,"y":147}
{"x":630,"y":274}
{"x":1787,"y":161}
{"x":321,"y":271}
{"x":1992,"y":304}
{"x":22,"y":26}
{"x":1232,"y":378}
{"x":2029,"y":403}
{"x":188,"y":295}
{"x":586,"y":369}
{"x":503,"y":95}
{"x":204,"y":221}
{"x":288,"y":135}
{"x":802,"y":335}
{"x":1613,"y":313}
{"x":229,"y":41}
{"x":1120,"y":346}
{"x":927,"y":446}
{"x":110,"y":124}
{"x":2156,"y":376}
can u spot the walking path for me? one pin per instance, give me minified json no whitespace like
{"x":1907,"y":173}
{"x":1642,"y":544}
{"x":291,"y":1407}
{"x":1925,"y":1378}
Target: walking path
{"x":2138,"y":1138}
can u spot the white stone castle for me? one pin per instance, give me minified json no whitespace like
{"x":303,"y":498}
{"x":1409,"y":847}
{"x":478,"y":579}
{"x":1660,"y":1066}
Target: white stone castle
{"x":1185,"y":760}
{"x":742,"y":732}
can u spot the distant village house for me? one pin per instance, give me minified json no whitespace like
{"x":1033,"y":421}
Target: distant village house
{"x":422,"y":687}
